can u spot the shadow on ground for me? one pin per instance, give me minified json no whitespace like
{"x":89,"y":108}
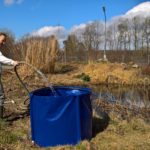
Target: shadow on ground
{"x":65,"y":69}
{"x":15,"y":116}
{"x":100,"y":123}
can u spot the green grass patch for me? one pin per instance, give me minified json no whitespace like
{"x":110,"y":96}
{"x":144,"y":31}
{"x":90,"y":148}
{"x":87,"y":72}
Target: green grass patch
{"x":6,"y":137}
{"x":84,"y":77}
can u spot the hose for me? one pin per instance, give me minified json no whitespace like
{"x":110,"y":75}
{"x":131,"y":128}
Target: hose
{"x":36,"y":70}
{"x":25,"y":105}
{"x":23,"y":84}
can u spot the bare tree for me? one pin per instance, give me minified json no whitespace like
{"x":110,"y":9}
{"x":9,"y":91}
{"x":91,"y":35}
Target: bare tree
{"x":135,"y":31}
{"x":71,"y":46}
{"x":112,"y":36}
{"x":123,"y":37}
{"x":92,"y":38}
{"x":146,"y":33}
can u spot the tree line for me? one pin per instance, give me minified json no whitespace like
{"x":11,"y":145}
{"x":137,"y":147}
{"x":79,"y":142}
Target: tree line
{"x":122,"y":35}
{"x":125,"y":39}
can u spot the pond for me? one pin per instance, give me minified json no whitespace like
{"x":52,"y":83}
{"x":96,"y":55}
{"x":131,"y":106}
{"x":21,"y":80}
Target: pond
{"x":124,"y":95}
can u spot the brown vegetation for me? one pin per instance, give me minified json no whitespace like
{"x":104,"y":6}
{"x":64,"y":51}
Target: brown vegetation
{"x":112,"y":73}
{"x":146,"y":70}
{"x":126,"y":129}
{"x":42,"y":53}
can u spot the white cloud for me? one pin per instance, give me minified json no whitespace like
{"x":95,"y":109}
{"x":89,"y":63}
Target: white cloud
{"x":11,"y":2}
{"x":142,"y":9}
{"x":59,"y":31}
{"x":78,"y":28}
{"x":8,"y":2}
{"x":49,"y":30}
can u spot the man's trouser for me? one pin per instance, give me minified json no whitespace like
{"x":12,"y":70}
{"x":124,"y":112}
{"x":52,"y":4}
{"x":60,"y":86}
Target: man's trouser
{"x":2,"y":96}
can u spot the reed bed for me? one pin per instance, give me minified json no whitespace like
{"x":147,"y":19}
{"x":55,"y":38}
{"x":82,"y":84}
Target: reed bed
{"x":42,"y":53}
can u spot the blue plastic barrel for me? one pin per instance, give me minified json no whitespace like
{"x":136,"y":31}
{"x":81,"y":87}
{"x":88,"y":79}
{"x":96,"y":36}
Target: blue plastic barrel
{"x":62,"y":119}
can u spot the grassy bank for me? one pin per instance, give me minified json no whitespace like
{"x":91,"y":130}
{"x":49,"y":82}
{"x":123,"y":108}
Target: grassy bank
{"x":100,"y":73}
{"x":119,"y":135}
{"x":121,"y":132}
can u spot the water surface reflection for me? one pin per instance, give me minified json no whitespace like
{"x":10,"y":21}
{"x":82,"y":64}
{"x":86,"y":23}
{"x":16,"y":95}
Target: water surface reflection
{"x":130,"y":96}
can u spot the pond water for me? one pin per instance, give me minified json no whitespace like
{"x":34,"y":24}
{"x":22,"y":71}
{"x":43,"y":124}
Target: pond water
{"x":137,"y":96}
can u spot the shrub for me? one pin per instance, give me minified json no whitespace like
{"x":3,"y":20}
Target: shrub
{"x":84,"y":77}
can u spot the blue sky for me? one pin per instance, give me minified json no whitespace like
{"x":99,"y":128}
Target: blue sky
{"x":26,"y":16}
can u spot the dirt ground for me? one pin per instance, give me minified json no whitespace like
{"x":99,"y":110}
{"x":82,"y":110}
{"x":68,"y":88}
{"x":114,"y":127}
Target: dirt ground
{"x":111,"y":131}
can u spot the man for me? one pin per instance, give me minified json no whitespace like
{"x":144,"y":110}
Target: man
{"x":3,"y":60}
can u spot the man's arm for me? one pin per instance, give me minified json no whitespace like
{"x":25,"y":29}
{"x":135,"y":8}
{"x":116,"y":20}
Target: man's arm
{"x":6,"y":60}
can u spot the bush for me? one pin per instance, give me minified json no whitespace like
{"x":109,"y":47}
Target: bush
{"x":84,"y":77}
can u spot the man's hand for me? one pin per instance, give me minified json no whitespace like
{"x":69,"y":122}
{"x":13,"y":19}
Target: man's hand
{"x":15,"y":63}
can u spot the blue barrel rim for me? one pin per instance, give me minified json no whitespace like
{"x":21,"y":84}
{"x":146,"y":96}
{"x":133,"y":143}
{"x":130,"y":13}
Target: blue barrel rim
{"x":86,"y":90}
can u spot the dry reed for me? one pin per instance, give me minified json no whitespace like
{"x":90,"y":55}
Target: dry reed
{"x":42,"y":53}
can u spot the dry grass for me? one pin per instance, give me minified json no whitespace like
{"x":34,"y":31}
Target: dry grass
{"x":101,"y":73}
{"x":42,"y":53}
{"x":113,"y":73}
{"x":121,"y":134}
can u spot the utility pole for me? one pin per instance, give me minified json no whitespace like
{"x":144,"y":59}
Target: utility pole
{"x":104,"y":57}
